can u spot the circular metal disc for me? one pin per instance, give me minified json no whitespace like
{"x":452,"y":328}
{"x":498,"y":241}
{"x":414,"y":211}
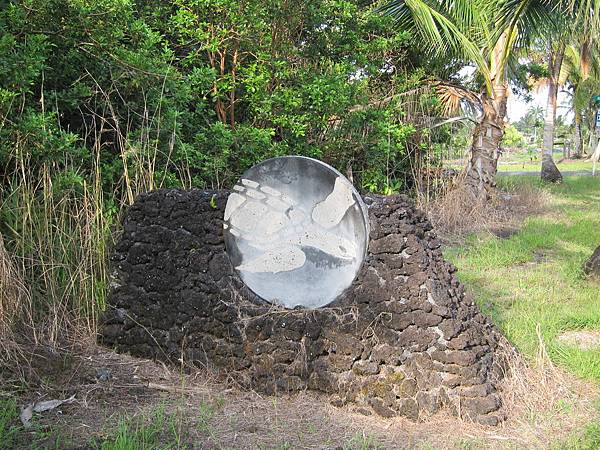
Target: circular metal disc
{"x":296,"y":231}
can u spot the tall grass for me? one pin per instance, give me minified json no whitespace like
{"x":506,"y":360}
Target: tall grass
{"x":13,"y":292}
{"x":57,"y":229}
{"x":58,"y":240}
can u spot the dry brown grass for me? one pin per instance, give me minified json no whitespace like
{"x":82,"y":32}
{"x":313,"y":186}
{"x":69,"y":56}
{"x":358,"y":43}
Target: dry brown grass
{"x":13,"y":292}
{"x":544,"y":404}
{"x":14,"y":301}
{"x":584,"y":339}
{"x":459,"y":211}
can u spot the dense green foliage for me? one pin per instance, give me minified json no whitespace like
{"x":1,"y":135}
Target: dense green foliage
{"x":195,"y":91}
{"x":513,"y":138}
{"x":102,"y":100}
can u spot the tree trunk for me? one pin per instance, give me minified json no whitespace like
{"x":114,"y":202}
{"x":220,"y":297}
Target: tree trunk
{"x":578,"y":136}
{"x":592,"y":137}
{"x":595,"y":158}
{"x":550,"y":172}
{"x":488,"y":134}
{"x":485,"y":146}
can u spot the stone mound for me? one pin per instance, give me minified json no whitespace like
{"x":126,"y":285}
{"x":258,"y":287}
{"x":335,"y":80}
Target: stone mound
{"x":550,"y":172}
{"x":592,"y":266}
{"x":405,"y":339}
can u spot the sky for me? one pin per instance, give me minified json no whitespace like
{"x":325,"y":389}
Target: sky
{"x":517,"y":107}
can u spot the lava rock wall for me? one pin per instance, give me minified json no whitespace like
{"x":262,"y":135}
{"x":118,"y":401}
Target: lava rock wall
{"x":405,"y":339}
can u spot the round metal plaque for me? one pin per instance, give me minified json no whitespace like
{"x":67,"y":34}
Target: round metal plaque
{"x":296,"y":231}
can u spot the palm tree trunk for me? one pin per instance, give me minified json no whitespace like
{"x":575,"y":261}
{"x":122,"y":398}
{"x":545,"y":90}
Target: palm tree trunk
{"x":595,"y":158}
{"x":578,"y":135}
{"x":485,"y":146}
{"x":487,"y":136}
{"x":550,"y":172}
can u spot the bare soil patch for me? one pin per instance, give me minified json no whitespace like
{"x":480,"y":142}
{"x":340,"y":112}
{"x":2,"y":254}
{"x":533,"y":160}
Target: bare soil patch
{"x":504,"y":232}
{"x":584,"y":339}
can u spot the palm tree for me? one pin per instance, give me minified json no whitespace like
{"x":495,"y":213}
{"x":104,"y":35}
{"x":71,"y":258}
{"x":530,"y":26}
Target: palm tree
{"x":531,"y":122}
{"x":469,"y":31}
{"x":580,"y":71}
{"x":556,"y":54}
{"x":576,"y":27}
{"x":571,"y":77}
{"x":488,"y":34}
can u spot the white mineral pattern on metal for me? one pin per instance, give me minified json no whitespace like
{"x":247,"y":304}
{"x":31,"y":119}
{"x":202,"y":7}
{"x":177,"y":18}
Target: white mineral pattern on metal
{"x":249,"y":183}
{"x":329,"y":212}
{"x":296,"y":231}
{"x":275,"y":260}
{"x":233,"y":202}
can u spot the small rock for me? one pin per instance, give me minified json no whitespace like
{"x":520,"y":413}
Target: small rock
{"x":592,"y":266}
{"x":409,"y":409}
{"x":337,"y":401}
{"x":427,"y":402}
{"x":103,"y":374}
{"x":365,"y":368}
{"x":381,"y":409}
{"x":480,"y":405}
{"x":363,"y":411}
{"x":487,"y":419}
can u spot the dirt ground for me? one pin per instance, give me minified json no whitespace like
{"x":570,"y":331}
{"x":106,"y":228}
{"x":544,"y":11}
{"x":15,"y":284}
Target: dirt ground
{"x":544,"y":407}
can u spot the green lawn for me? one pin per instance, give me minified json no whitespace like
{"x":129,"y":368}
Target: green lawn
{"x":534,"y":277}
{"x":529,"y":166}
{"x":520,"y":162}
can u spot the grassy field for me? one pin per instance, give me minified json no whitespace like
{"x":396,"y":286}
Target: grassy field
{"x":534,"y":166}
{"x":521,"y":162}
{"x":532,"y":281}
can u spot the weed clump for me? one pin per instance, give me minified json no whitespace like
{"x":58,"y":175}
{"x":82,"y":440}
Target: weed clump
{"x":459,"y":211}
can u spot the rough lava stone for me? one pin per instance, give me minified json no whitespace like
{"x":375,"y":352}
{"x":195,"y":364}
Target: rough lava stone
{"x":592,"y":266}
{"x":405,"y":339}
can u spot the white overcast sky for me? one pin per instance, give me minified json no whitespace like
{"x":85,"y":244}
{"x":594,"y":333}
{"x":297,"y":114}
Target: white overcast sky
{"x":517,"y":107}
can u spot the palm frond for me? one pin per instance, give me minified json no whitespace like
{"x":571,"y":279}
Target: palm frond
{"x":456,"y":99}
{"x":584,"y":93}
{"x":570,"y":69}
{"x":585,"y":12}
{"x":529,"y":19}
{"x":452,"y":120}
{"x":445,"y":27}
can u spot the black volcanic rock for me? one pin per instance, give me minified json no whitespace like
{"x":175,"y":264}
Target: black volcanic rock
{"x":404,"y":339}
{"x":592,"y":266}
